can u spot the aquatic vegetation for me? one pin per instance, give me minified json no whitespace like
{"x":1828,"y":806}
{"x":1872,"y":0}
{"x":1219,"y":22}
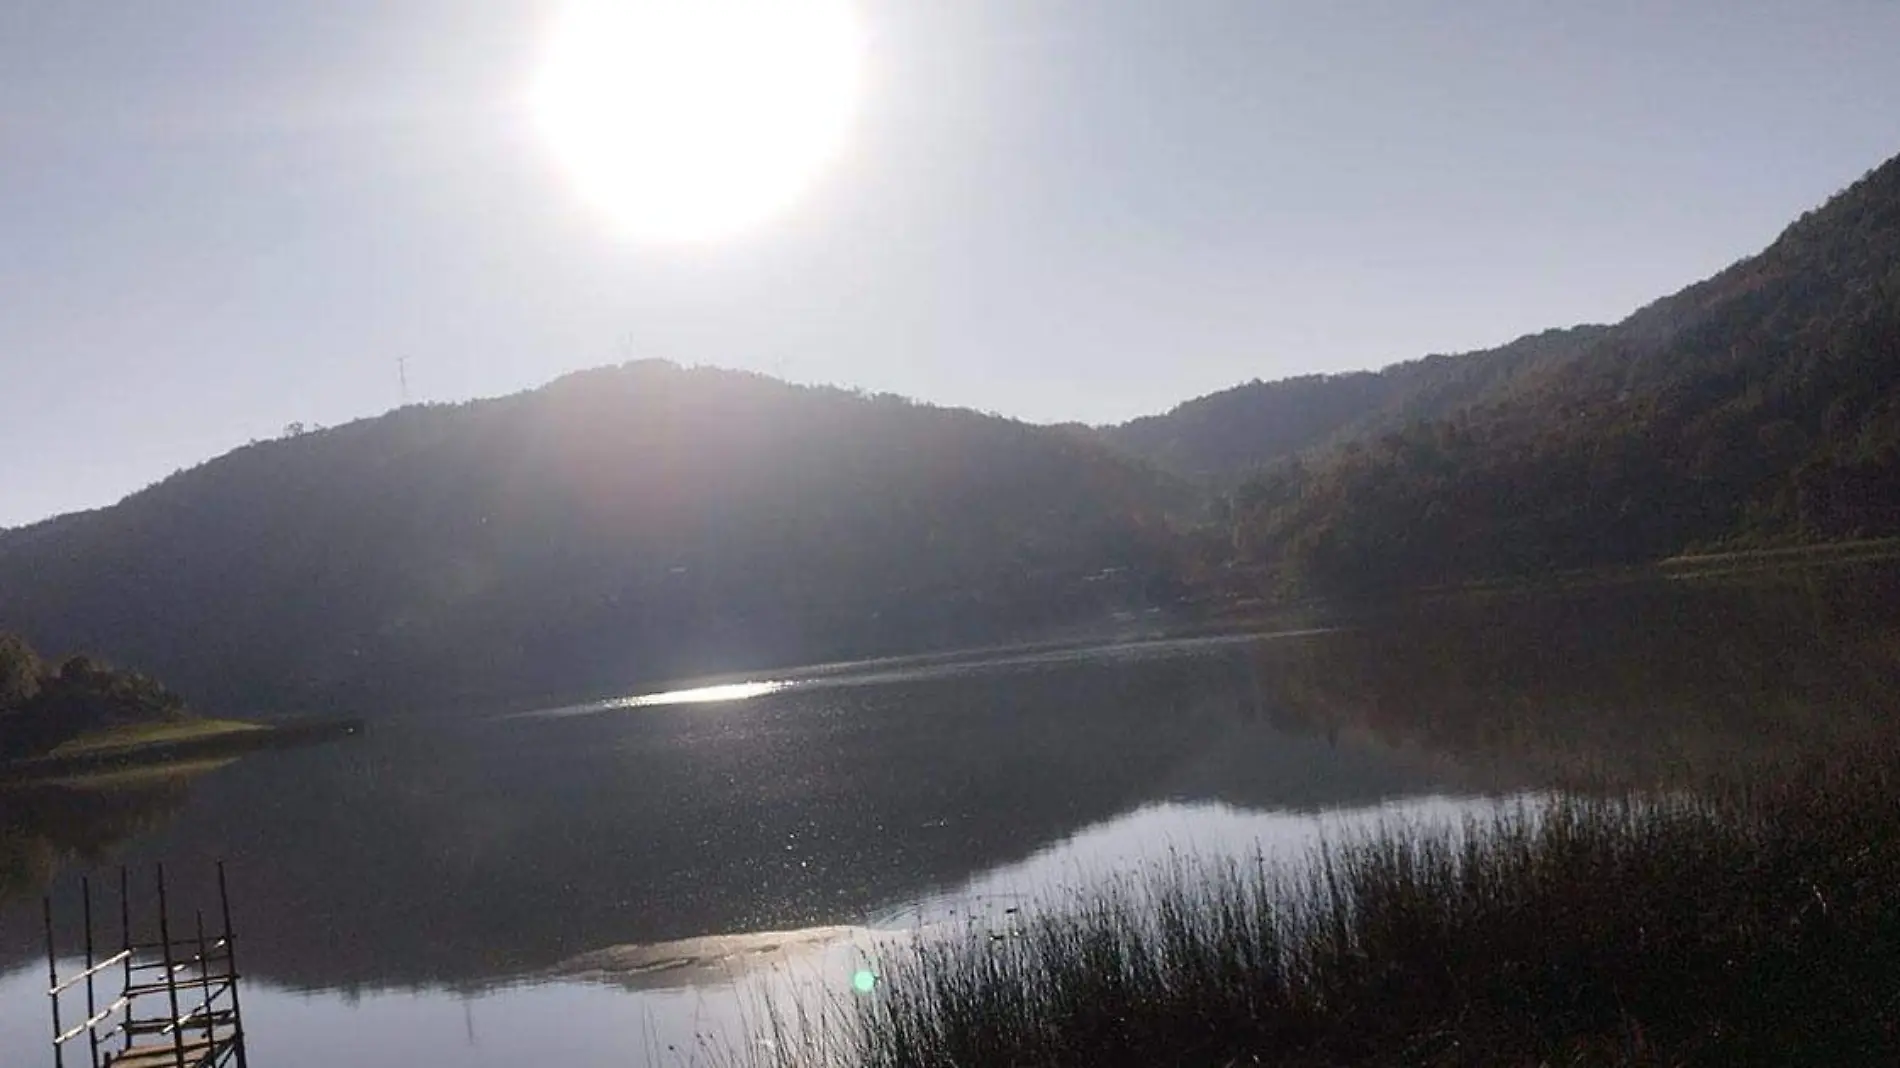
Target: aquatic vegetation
{"x":1741,"y":925}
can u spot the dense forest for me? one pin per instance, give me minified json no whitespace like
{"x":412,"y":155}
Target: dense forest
{"x":1224,"y":437}
{"x":1760,"y":407}
{"x":43,"y":703}
{"x":616,"y":527}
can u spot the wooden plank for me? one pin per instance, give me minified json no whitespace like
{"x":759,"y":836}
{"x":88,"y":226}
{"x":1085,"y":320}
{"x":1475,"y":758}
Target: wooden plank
{"x":198,"y":1052}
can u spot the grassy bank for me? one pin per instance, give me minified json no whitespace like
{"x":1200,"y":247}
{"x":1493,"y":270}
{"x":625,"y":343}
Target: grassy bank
{"x":1746,"y":926}
{"x":131,"y":737}
{"x":1863,"y":550}
{"x":97,"y":755}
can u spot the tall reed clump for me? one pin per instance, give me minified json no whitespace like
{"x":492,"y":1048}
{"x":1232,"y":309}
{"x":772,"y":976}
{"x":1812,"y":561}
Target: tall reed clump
{"x":1744,"y":926}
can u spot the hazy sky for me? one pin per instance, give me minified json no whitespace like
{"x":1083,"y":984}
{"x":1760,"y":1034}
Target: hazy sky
{"x":220,"y":216}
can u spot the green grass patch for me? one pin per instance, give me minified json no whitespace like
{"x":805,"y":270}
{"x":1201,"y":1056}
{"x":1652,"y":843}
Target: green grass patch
{"x":1865,"y":549}
{"x":1747,"y":925}
{"x":132,"y":736}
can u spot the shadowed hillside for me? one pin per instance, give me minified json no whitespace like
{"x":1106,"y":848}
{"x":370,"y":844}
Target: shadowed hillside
{"x":645,"y":522}
{"x":1759,"y":407}
{"x":1225,"y":436}
{"x":618,"y":526}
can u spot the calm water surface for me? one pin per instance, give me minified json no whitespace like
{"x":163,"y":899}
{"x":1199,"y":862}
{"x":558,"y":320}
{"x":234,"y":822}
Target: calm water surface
{"x":591,"y":885}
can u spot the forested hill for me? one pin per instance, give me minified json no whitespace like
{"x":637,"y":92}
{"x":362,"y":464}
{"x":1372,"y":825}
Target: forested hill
{"x":1759,"y":407}
{"x":622,"y":525}
{"x":1224,"y":437}
{"x":642,"y":523}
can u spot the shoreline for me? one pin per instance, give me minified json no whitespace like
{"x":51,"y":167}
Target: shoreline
{"x":1748,"y":924}
{"x":235,"y":739}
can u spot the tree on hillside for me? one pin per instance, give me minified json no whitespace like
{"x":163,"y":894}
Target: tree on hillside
{"x":20,"y":671}
{"x":40,"y":708}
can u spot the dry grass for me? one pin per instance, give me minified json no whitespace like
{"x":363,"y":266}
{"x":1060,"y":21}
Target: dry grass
{"x":1743,"y":926}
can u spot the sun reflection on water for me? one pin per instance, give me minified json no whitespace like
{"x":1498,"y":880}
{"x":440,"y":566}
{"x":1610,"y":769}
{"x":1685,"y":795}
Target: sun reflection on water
{"x":693,"y":695}
{"x":734,"y":691}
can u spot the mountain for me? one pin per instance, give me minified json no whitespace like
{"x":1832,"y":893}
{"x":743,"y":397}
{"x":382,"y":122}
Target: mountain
{"x":1223,"y":437}
{"x":1759,"y":407}
{"x":645,"y":522}
{"x":616,"y":527}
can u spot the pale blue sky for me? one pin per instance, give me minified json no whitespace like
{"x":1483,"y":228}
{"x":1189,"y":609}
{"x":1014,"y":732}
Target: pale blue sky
{"x":220,"y":216}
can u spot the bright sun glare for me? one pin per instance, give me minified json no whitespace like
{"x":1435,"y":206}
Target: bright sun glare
{"x":688,"y":120}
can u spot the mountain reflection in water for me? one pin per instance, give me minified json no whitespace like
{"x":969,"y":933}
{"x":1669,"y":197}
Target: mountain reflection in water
{"x":460,"y":856}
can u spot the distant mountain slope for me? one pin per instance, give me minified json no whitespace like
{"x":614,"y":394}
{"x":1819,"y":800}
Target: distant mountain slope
{"x":1759,"y":406}
{"x":1223,"y":437}
{"x":626,"y":524}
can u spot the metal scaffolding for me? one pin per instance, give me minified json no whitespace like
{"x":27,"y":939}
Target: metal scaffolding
{"x":173,"y":1001}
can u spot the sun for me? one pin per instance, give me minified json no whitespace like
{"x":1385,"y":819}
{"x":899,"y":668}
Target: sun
{"x":690,"y":120}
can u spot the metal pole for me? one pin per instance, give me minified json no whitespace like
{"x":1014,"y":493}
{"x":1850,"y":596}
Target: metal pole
{"x":204,"y":980}
{"x":52,"y":980}
{"x":92,"y":1007}
{"x":230,"y":960}
{"x":125,"y":931}
{"x":171,"y":978}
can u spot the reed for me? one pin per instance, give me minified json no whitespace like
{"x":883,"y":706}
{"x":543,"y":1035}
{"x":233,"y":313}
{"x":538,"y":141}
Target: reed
{"x":1738,"y":925}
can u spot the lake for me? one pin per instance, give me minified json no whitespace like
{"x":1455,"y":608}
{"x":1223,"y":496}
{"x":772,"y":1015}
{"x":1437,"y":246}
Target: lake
{"x":597,"y":883}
